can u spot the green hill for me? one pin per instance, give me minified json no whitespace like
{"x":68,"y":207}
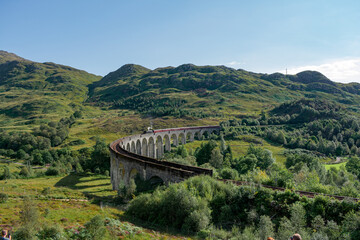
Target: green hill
{"x":32,"y":90}
{"x":204,"y":91}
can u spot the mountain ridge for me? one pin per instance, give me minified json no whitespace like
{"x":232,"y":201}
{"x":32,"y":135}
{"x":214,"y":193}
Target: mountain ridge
{"x":35,"y":89}
{"x":211,"y":86}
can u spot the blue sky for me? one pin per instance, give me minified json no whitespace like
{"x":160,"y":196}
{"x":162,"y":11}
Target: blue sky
{"x":259,"y":36}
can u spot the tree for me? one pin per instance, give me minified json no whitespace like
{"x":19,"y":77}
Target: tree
{"x":351,"y":225}
{"x":286,"y":229}
{"x":21,"y":154}
{"x":29,"y":217}
{"x":26,"y":172}
{"x":6,"y":173}
{"x":37,"y":157}
{"x":47,"y":157}
{"x":100,"y":157}
{"x":280,"y":138}
{"x":229,"y":173}
{"x":264,"y":157}
{"x":95,"y":228}
{"x":353,"y":166}
{"x":298,"y":217}
{"x":78,"y":168}
{"x":216,"y":159}
{"x":247,"y":163}
{"x":203,"y":154}
{"x":182,"y":151}
{"x":266,"y":227}
{"x":222,"y":144}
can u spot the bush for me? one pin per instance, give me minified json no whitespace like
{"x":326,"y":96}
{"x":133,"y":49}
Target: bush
{"x":52,"y":171}
{"x":29,"y":217}
{"x":25,"y":232}
{"x":95,"y":228}
{"x":174,"y":207}
{"x":6,"y":173}
{"x":45,"y":191}
{"x":53,"y":232}
{"x":3,"y":197}
{"x":26,"y":172}
{"x":228,"y":173}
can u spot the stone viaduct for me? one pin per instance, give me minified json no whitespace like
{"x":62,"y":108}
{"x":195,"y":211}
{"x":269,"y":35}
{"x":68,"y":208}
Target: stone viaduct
{"x":140,"y":154}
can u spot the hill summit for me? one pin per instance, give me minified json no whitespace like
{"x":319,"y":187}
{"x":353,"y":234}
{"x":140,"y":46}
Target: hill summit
{"x":212,"y":89}
{"x":30,"y":88}
{"x":9,"y":57}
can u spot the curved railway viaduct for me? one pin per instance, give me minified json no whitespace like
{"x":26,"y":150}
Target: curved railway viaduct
{"x":139,"y":154}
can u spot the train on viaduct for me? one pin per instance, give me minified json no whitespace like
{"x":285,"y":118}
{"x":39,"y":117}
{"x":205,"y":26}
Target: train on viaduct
{"x":141,"y":154}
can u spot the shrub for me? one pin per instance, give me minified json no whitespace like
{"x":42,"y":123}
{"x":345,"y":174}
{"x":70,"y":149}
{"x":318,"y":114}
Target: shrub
{"x":52,"y":171}
{"x":95,"y":228}
{"x":53,"y":232}
{"x":229,"y":173}
{"x":175,"y":207}
{"x":6,"y":173}
{"x":45,"y":191}
{"x":3,"y":197}
{"x":26,"y":172}
{"x":266,"y":227}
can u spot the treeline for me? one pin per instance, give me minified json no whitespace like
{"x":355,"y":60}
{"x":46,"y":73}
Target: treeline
{"x":216,"y":210}
{"x":159,"y":107}
{"x":328,"y":131}
{"x":152,"y":105}
{"x":62,"y":161}
{"x":46,"y":136}
{"x":36,"y":148}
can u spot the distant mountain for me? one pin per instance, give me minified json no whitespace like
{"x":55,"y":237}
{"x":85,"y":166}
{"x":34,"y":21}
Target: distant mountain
{"x":212,"y":90}
{"x":45,"y":90}
{"x":29,"y":88}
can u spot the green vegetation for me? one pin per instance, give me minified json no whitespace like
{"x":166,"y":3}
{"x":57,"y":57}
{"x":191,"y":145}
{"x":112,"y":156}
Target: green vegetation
{"x":211,"y":91}
{"x":30,"y":89}
{"x":200,"y":204}
{"x":56,"y":123}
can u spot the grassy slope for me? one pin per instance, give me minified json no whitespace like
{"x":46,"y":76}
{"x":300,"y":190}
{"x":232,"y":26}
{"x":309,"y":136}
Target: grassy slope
{"x":67,"y":203}
{"x":31,"y":90}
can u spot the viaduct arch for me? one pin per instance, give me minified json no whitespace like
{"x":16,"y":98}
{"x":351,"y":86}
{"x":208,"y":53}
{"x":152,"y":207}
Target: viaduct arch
{"x":140,"y":154}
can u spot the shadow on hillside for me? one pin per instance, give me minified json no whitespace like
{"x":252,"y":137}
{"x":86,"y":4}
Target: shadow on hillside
{"x":73,"y":180}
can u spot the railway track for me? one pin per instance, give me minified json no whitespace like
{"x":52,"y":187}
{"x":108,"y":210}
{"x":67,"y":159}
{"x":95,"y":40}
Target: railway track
{"x":301,"y":193}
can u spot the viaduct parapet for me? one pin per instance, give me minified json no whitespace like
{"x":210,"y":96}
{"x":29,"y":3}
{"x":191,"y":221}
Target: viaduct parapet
{"x":140,"y":154}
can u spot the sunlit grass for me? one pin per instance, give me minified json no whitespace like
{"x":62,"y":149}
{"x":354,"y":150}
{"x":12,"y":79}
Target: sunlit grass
{"x":336,"y":165}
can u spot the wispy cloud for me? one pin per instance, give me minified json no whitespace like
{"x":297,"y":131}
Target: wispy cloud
{"x":345,"y":70}
{"x":234,"y":64}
